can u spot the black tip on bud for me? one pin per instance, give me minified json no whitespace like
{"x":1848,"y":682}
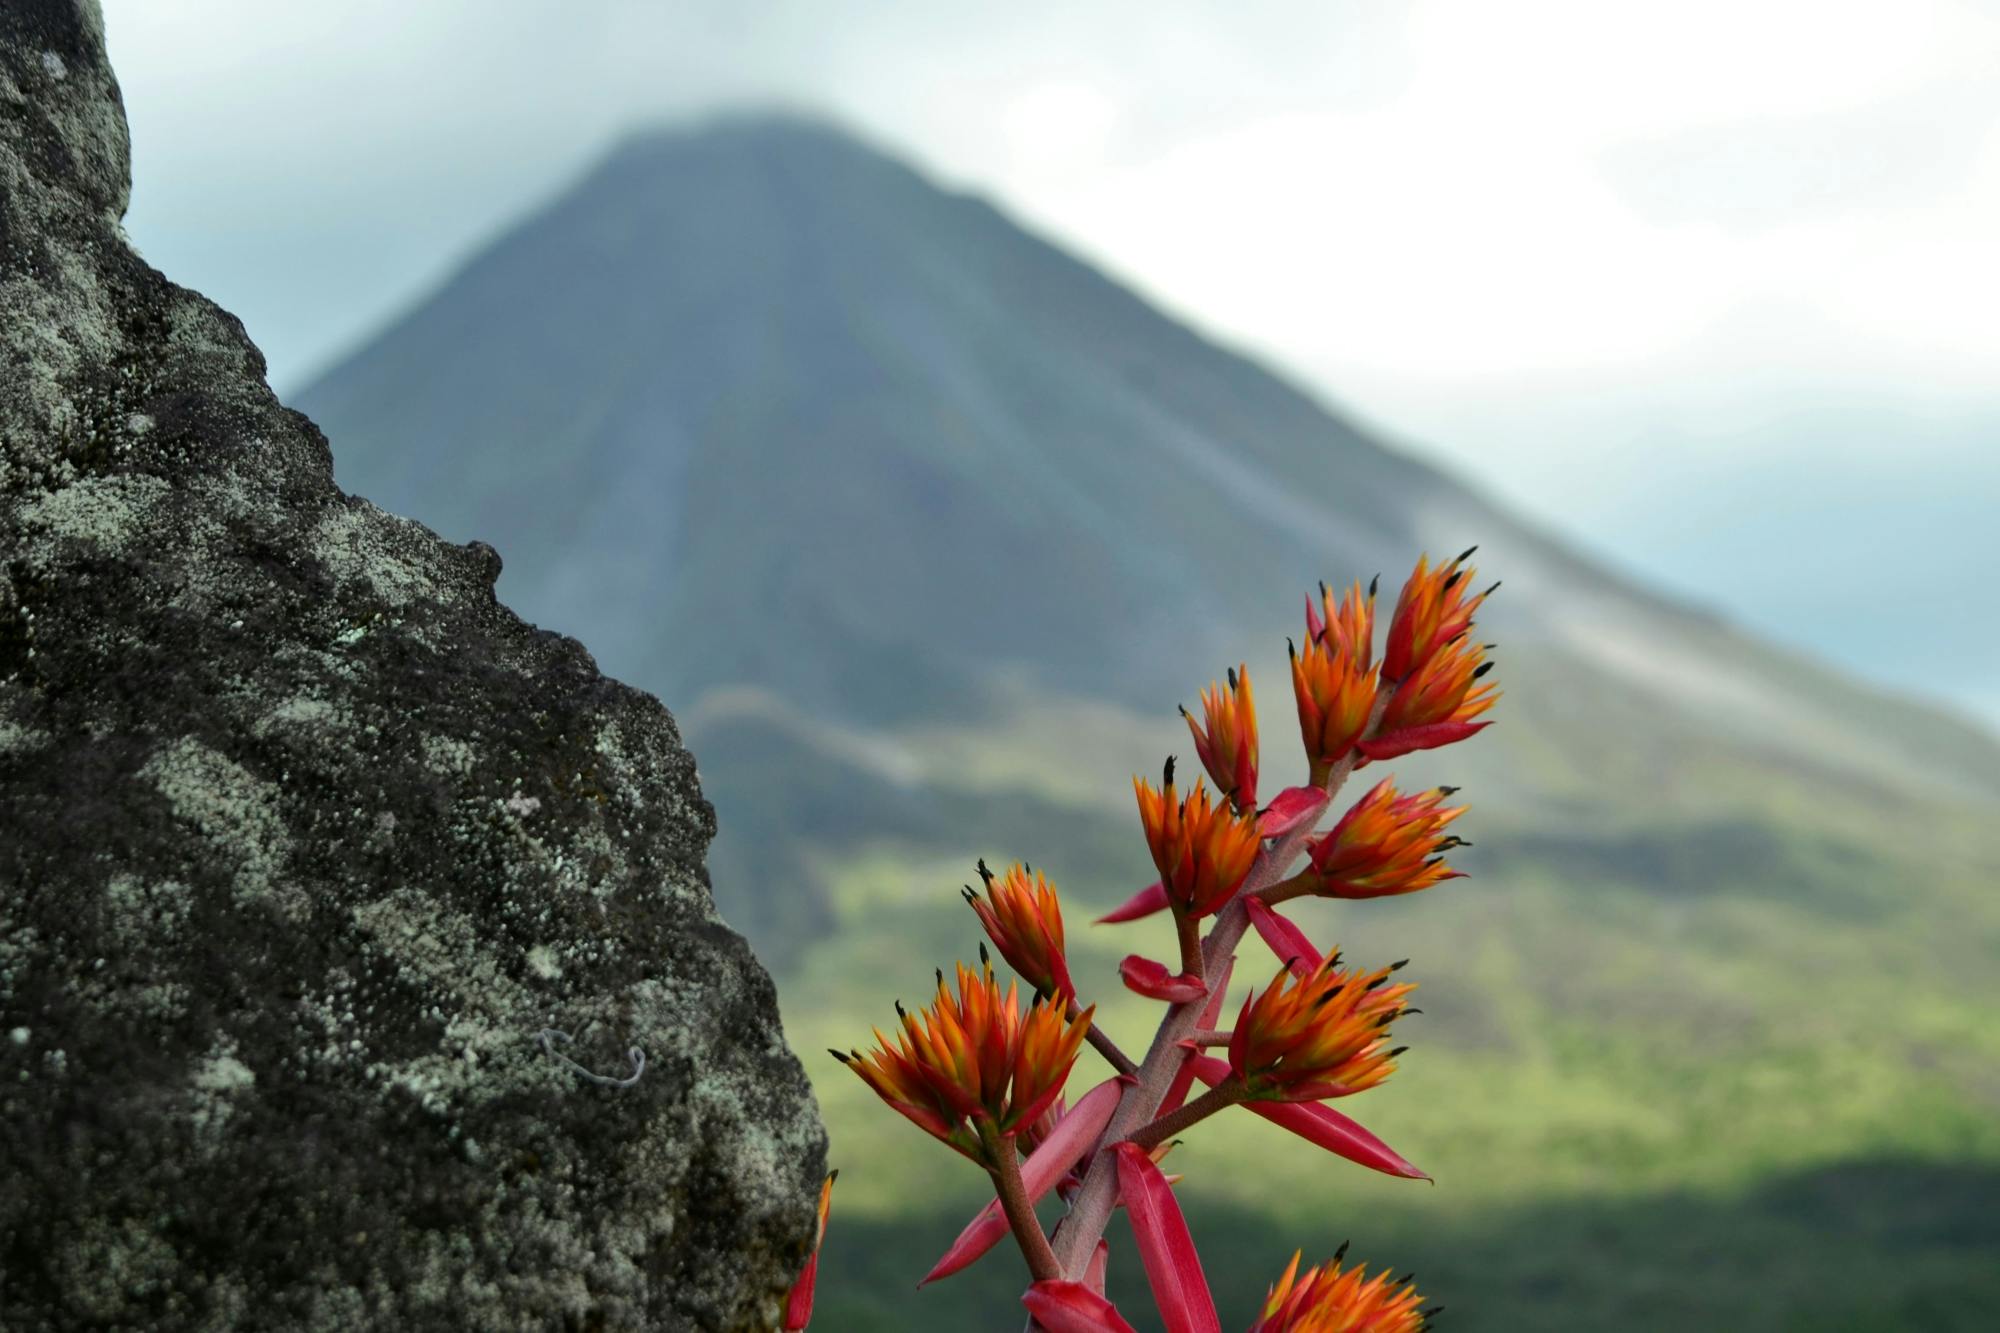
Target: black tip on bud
{"x":1466,"y":554}
{"x":1341,"y":1253}
{"x":1373,"y":584}
{"x":899,"y":1003}
{"x":1481,"y":670}
{"x":984,"y":957}
{"x":841,"y":1056}
{"x":1398,"y":1051}
{"x":984,"y":873}
{"x":1397,"y":967}
{"x":1449,"y":791}
{"x":1167,"y":773}
{"x":833,"y":1174}
{"x":1232,"y":678}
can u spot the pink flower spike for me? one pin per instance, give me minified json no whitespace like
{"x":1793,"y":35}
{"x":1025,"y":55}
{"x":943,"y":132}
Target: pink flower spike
{"x":1144,"y":903}
{"x":1071,"y":1307}
{"x":1152,"y":980}
{"x":1430,"y":737}
{"x":1177,"y":1090}
{"x":1319,"y":1124}
{"x":1290,"y":808}
{"x":1286,"y":940}
{"x":1100,"y":1261}
{"x":1073,"y":1136}
{"x":1172,"y":1267}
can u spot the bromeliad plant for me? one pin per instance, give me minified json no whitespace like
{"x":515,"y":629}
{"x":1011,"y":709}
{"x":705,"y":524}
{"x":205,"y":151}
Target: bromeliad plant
{"x":984,"y":1074}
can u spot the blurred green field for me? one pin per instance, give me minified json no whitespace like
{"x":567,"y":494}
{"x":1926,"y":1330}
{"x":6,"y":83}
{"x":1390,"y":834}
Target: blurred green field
{"x":1641,"y":1112}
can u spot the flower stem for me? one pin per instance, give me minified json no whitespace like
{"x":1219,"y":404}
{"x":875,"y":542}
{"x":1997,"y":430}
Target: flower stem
{"x":1298,"y":886}
{"x":1201,"y":1108}
{"x":1006,"y":1173}
{"x":1189,"y":930}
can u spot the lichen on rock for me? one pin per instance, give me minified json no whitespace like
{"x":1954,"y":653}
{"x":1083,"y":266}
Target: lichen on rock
{"x":304,"y":842}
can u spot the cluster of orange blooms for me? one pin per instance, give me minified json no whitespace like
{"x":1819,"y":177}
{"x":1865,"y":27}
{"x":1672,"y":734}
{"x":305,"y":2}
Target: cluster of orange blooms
{"x":983,"y":1074}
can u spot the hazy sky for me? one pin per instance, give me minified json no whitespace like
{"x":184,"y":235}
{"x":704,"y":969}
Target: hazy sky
{"x":1712,"y":288}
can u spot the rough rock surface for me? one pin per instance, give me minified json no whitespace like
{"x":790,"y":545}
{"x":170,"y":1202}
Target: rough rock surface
{"x":304,"y":839}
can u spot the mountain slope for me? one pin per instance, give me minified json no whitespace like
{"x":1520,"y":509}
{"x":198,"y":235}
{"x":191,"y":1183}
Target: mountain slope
{"x":756,"y":404}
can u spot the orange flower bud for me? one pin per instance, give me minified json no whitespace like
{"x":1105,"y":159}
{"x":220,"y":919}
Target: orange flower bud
{"x":1334,"y":678}
{"x":1329,"y":1299}
{"x":972,"y":1063}
{"x":1386,"y":844}
{"x":1227,"y":743}
{"x":1024,"y":920}
{"x":1203,"y":850}
{"x":1317,"y":1036}
{"x":1432,"y":611}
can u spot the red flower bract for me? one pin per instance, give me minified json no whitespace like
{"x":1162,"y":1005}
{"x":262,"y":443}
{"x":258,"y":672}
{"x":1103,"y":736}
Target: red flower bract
{"x":1386,"y":844}
{"x":1329,"y":1299}
{"x":1227,"y":738}
{"x":1432,"y":611}
{"x":1203,"y":850}
{"x":1334,"y":679}
{"x":973,"y":1060}
{"x":1317,"y":1036}
{"x":1023,"y":918}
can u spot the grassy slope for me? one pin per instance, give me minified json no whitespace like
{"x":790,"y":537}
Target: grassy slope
{"x":1729,"y":1056}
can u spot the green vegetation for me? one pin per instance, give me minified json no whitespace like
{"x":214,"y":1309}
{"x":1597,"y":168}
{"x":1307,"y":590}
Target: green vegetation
{"x":1733,"y":1069}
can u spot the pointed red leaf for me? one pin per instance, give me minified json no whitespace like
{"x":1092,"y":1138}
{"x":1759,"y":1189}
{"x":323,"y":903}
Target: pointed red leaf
{"x":1173,"y":1269}
{"x":1418,"y":738}
{"x":1177,"y":1090}
{"x":1286,"y":940}
{"x":799,"y":1306}
{"x":1100,"y":1261}
{"x":1075,"y":1134}
{"x":1151,"y":899}
{"x":1289,"y":809}
{"x":1071,"y":1307}
{"x":1319,"y":1124}
{"x":1152,"y":980}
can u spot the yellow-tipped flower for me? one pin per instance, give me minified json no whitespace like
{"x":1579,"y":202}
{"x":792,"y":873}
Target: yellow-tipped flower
{"x":1330,"y":1299}
{"x":1227,"y":740}
{"x":1387,"y":844}
{"x":970,"y":1065}
{"x":1446,"y":689}
{"x":1432,"y":611}
{"x":1203,"y":850}
{"x":1334,"y":678}
{"x":1023,"y":918}
{"x":1317,"y":1036}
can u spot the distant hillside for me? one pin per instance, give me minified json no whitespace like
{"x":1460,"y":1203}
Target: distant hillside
{"x":755,"y":405}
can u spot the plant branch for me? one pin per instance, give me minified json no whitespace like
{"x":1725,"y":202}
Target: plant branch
{"x":1217,"y":1098}
{"x":1189,"y":931}
{"x":1210,"y":1037}
{"x":1006,"y":1173}
{"x":1298,"y":886}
